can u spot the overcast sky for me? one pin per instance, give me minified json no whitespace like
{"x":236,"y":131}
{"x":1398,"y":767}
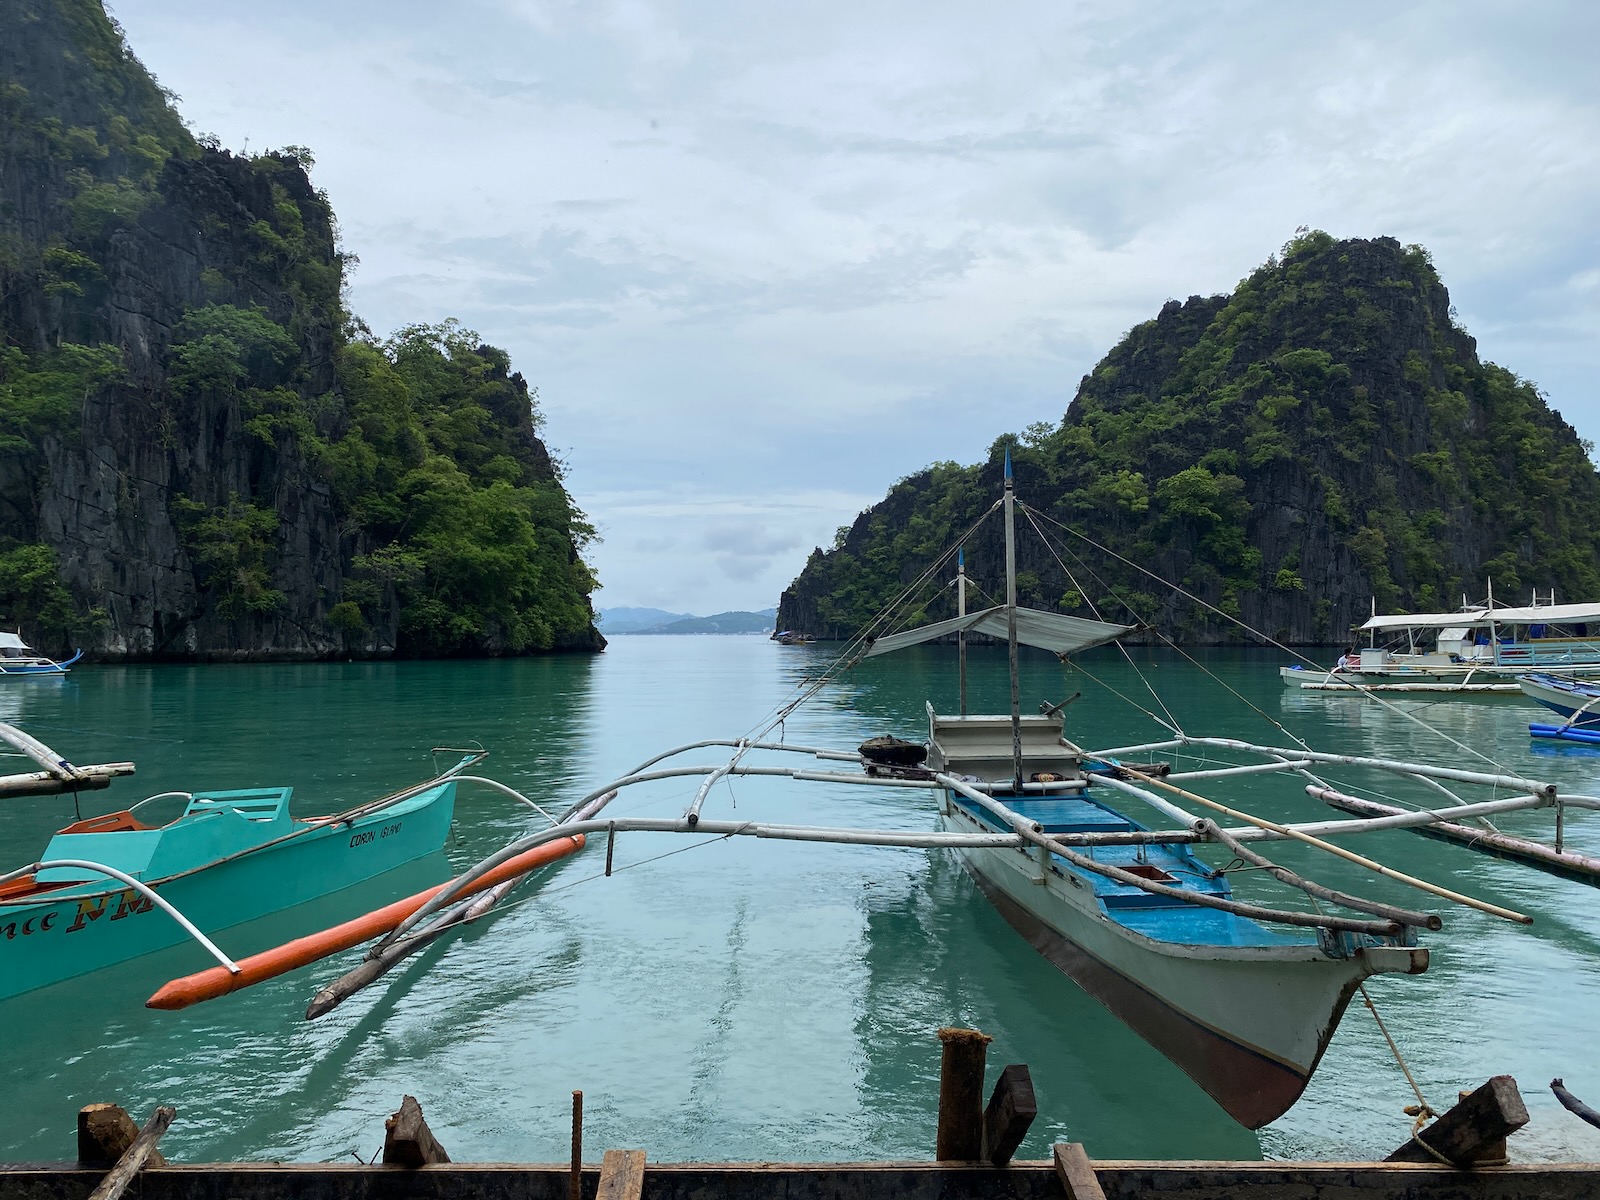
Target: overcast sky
{"x":761,"y":261}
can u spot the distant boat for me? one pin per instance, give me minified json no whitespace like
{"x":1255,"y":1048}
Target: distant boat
{"x":229,"y":857}
{"x":1577,"y":701}
{"x":19,"y":658}
{"x":1477,"y":649}
{"x":788,"y":637}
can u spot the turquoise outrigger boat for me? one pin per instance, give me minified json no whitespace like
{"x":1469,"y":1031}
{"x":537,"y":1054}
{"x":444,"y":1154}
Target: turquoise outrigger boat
{"x":111,"y":888}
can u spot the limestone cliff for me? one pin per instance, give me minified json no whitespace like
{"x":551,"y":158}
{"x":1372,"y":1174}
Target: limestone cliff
{"x":187,"y":462}
{"x":1324,"y":436}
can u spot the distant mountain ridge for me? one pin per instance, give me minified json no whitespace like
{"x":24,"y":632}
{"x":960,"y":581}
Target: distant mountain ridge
{"x":614,"y":621}
{"x":635,"y":620}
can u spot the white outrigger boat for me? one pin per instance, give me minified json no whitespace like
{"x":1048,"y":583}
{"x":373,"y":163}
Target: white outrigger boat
{"x":1476,"y":649}
{"x":18,"y":658}
{"x":1243,"y":995}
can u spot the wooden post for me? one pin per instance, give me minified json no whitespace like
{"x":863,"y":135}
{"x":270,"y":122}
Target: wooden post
{"x":1076,"y":1172}
{"x":120,"y":1176}
{"x":1474,"y":1131}
{"x":105,"y":1132}
{"x":621,"y":1175}
{"x":575,"y":1179}
{"x":960,"y":1135}
{"x":407,"y":1140}
{"x":1011,"y":1110}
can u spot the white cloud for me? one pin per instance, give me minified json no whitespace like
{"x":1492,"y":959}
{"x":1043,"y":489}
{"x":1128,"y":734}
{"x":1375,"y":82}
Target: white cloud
{"x":761,"y":262}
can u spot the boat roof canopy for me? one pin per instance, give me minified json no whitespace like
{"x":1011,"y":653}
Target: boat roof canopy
{"x":1539,"y":614}
{"x":1056,"y":632}
{"x":11,"y":641}
{"x":1547,"y":614}
{"x":1455,"y":620}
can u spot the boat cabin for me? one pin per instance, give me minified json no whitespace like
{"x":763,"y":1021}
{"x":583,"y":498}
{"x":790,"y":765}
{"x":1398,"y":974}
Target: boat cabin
{"x":12,"y":646}
{"x":980,"y":747}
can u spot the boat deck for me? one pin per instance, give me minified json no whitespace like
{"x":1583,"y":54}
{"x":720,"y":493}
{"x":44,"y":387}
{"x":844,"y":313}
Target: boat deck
{"x":1159,"y":917}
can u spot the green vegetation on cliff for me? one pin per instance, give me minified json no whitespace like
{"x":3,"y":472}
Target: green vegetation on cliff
{"x":201,"y":450}
{"x":1324,"y":435}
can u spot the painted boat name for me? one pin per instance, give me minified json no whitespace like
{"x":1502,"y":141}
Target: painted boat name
{"x":89,"y":910}
{"x":367,"y":835}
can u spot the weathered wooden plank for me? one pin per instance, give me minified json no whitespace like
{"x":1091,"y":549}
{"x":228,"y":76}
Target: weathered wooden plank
{"x":1472,"y":1131}
{"x":960,"y":1135}
{"x":575,"y":1178}
{"x":407,"y":1140}
{"x":1012,"y":1108}
{"x":621,"y":1175}
{"x":120,"y":1176}
{"x":1076,"y":1172}
{"x":1037,"y":1180}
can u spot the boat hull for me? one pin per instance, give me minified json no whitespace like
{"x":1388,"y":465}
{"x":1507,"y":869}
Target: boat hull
{"x":87,"y":927}
{"x":1248,"y":1024}
{"x":1405,"y":679}
{"x":37,"y":666}
{"x":1580,"y":708}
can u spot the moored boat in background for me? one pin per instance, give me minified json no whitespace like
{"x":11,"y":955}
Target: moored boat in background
{"x":1576,"y":700}
{"x":1476,"y":649}
{"x":18,"y":658}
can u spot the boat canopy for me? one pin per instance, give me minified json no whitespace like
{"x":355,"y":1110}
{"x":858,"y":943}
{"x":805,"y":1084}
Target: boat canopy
{"x":11,"y":641}
{"x":1546,"y":614}
{"x":1454,"y":620}
{"x":1047,"y":630}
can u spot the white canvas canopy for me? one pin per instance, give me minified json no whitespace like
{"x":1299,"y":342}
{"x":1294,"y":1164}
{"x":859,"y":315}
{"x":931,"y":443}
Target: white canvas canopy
{"x":1455,"y":620}
{"x":1547,"y":614}
{"x":1048,"y":631}
{"x":10,"y":641}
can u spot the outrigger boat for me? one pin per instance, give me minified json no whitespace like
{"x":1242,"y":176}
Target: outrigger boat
{"x":1244,"y":996}
{"x":1476,"y":649}
{"x":93,"y":897}
{"x":19,"y":658}
{"x":1576,"y":700}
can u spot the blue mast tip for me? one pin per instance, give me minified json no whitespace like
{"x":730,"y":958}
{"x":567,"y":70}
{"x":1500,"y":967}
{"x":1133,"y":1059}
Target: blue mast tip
{"x":961,"y":556}
{"x":1008,"y":462}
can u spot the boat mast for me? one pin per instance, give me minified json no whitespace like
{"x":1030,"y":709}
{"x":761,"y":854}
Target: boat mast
{"x":961,"y":611}
{"x":1011,"y":627}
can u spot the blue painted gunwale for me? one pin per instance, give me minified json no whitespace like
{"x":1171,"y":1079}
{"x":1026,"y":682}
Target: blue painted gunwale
{"x":43,"y":667}
{"x":1156,"y":917}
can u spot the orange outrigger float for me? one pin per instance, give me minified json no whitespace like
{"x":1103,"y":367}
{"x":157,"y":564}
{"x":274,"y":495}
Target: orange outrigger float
{"x":280,"y":960}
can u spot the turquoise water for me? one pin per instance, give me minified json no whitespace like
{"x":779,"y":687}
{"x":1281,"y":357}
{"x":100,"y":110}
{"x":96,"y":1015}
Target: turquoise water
{"x":743,"y":999}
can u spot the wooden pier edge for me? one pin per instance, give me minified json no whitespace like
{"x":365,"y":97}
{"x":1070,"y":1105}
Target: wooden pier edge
{"x":1118,"y":1179}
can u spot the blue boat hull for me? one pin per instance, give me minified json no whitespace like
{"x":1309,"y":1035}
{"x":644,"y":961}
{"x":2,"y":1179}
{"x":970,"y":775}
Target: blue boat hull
{"x":45,"y":667}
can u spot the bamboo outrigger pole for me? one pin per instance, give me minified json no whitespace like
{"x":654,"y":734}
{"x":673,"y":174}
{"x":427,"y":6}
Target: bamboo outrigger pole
{"x":1493,"y":910}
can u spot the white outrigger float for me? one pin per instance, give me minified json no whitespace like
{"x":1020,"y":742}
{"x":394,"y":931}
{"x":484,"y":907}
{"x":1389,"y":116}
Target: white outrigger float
{"x":1241,"y":993}
{"x":1476,"y":649}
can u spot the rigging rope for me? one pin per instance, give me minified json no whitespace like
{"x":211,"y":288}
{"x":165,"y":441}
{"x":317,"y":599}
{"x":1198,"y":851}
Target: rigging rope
{"x":1363,"y":690}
